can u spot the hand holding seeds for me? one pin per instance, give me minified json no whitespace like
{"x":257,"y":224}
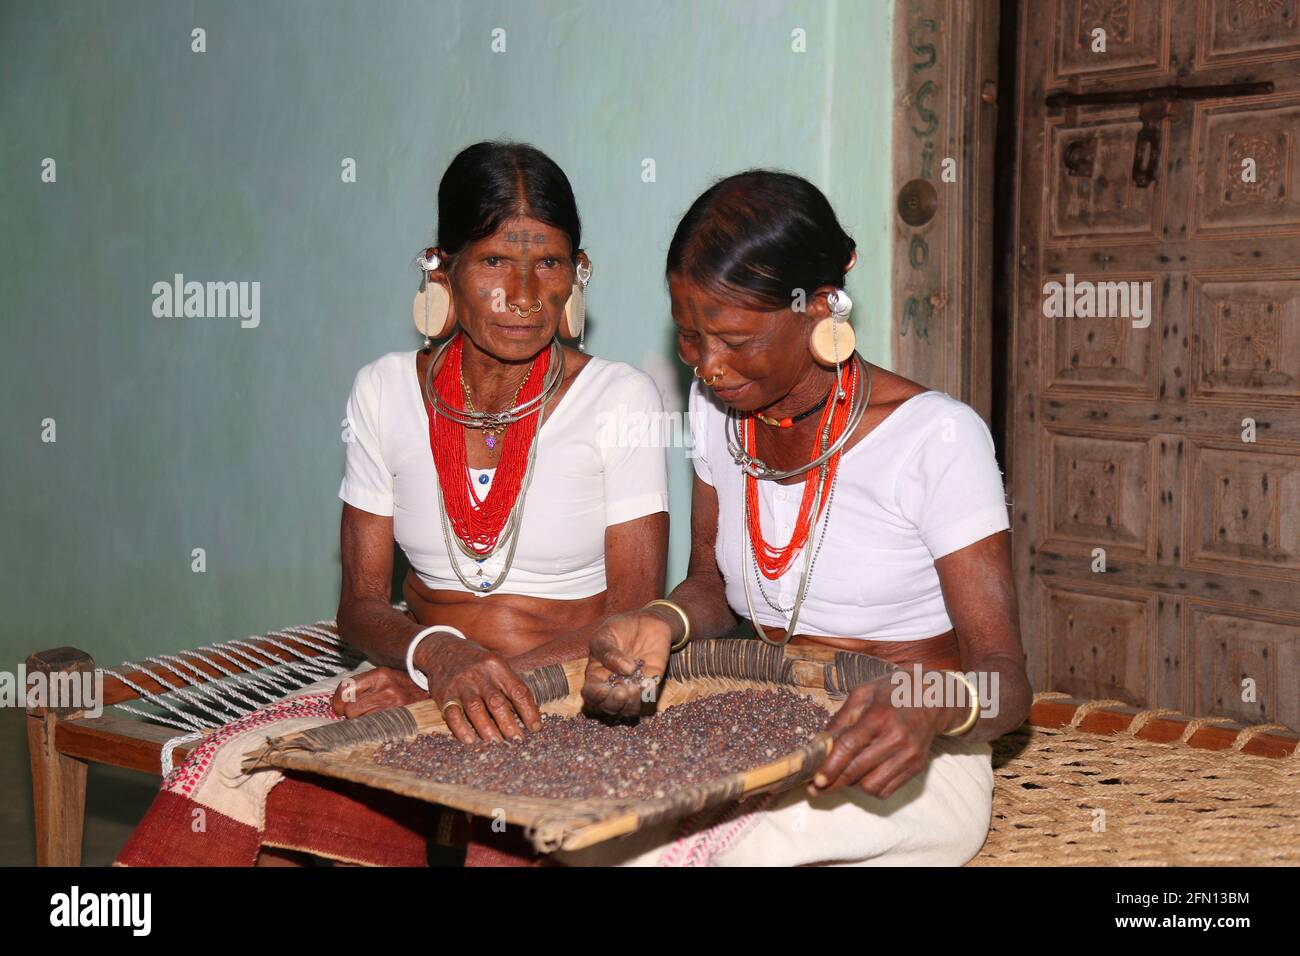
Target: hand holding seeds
{"x":376,"y":689}
{"x":627,"y":659}
{"x":880,"y":746}
{"x":494,"y":702}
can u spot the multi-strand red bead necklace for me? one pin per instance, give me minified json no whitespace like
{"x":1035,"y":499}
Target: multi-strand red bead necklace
{"x":478,"y":522}
{"x":771,"y":560}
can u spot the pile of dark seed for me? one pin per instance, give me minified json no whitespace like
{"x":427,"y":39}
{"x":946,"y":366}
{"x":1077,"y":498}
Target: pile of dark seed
{"x":574,"y":758}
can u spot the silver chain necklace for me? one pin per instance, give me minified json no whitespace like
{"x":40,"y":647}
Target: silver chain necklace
{"x":812,"y":567}
{"x":509,"y":534}
{"x":759,"y":469}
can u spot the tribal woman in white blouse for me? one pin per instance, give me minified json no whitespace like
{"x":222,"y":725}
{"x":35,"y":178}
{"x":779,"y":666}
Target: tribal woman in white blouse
{"x":485,"y":459}
{"x":524,"y":534}
{"x":834,"y":504}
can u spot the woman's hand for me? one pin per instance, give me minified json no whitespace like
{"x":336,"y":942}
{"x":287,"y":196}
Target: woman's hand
{"x":494,"y":702}
{"x":880,"y":746}
{"x":376,"y":689}
{"x":618,"y":646}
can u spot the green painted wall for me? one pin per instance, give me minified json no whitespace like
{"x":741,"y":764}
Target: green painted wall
{"x":180,"y":433}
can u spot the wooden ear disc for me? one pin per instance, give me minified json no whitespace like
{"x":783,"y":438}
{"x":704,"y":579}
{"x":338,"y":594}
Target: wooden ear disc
{"x":431,"y":310}
{"x":832,"y":340}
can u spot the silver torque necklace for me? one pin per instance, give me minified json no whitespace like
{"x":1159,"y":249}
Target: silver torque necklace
{"x":509,"y":538}
{"x":860,"y":399}
{"x":475,"y":419}
{"x":763,"y":471}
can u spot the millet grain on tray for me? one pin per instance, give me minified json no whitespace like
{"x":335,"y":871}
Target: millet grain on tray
{"x":583,"y":757}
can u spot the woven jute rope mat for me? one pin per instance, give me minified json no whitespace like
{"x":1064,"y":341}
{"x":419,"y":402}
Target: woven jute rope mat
{"x":1066,"y":796}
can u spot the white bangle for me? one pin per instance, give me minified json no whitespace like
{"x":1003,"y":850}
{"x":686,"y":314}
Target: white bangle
{"x":421,"y":681}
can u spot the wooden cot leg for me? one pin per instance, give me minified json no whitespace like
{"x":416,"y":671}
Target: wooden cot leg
{"x":58,"y":781}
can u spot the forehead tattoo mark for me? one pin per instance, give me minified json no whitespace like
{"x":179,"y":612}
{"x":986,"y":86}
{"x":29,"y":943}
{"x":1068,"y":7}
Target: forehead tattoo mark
{"x":696,"y":310}
{"x":525,"y":239}
{"x":521,"y":239}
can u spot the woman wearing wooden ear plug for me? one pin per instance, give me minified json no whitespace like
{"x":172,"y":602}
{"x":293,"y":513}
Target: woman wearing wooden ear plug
{"x":834,"y":504}
{"x":485,"y":459}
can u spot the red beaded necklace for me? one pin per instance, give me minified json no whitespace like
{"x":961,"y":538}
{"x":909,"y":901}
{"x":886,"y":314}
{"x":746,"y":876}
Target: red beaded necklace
{"x":773,"y":561}
{"x":478,"y":522}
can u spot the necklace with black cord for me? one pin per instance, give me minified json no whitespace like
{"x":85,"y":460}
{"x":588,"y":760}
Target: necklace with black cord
{"x":791,"y":420}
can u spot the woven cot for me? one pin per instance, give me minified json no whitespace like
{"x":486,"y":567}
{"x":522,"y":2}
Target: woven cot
{"x":155,"y":710}
{"x":1142,"y":788}
{"x":346,"y":750}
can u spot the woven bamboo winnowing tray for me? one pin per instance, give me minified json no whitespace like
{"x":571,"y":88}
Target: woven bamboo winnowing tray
{"x":346,"y":749}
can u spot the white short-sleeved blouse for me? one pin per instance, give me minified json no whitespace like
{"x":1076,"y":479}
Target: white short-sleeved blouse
{"x":582,"y":481}
{"x":921,"y":484}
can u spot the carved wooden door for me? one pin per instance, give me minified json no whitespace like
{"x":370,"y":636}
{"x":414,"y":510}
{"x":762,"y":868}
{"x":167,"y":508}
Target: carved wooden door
{"x":1170,"y":451}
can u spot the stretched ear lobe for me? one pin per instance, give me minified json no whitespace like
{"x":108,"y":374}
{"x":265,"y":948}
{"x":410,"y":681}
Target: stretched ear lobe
{"x":832,"y":340}
{"x":574,"y":320}
{"x":432,"y":310}
{"x":853,"y":261}
{"x":818,"y":305}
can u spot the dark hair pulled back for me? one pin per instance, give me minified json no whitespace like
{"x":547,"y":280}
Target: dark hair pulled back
{"x":758,"y":236}
{"x":491,"y":182}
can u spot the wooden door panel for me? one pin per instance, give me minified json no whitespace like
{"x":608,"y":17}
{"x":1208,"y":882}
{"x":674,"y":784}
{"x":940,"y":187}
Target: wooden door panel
{"x":1098,"y":492}
{"x":1086,"y":357}
{"x":1229,"y":646}
{"x":1233,"y":32}
{"x":1246,"y":339}
{"x":945,"y":90}
{"x":1241,"y":512}
{"x":1137,"y":38}
{"x":1171,"y":449}
{"x":1094,"y":200}
{"x":1099,"y":639}
{"x":1224,"y":136}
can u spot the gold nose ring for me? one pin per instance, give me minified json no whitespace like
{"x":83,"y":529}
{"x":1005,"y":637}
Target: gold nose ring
{"x":535,"y":308}
{"x":708,"y":381}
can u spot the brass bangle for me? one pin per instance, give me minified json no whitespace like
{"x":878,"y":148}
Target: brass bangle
{"x":686,"y":636}
{"x":974,"y":707}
